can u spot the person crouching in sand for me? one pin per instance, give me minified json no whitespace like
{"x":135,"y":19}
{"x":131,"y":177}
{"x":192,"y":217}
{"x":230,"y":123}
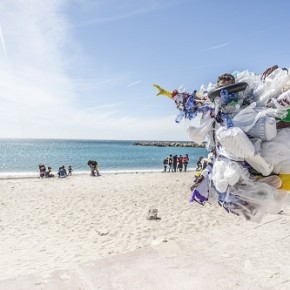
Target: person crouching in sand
{"x":94,"y":168}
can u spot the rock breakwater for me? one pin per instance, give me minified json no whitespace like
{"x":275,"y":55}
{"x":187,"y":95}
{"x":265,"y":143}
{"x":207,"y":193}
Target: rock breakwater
{"x":166,"y":144}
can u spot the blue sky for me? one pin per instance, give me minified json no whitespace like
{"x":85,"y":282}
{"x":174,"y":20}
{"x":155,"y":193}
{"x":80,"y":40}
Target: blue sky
{"x":84,"y":69}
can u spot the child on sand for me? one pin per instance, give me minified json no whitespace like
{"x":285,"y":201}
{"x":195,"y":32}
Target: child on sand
{"x":69,"y":170}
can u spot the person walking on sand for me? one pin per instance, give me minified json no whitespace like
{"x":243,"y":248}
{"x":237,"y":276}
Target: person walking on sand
{"x":70,"y":170}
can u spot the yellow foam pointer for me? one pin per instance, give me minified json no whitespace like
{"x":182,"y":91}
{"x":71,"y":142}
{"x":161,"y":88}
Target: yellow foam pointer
{"x":163,"y":92}
{"x":285,"y":181}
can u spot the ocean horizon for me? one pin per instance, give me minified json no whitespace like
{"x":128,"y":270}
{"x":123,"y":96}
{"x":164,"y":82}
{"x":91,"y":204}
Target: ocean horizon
{"x":21,"y":157}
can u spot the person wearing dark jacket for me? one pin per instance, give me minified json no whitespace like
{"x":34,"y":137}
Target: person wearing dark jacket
{"x":175,"y":162}
{"x":180,"y":163}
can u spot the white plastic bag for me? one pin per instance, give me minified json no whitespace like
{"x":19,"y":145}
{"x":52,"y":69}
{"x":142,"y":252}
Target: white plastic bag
{"x":198,"y":134}
{"x":235,"y":141}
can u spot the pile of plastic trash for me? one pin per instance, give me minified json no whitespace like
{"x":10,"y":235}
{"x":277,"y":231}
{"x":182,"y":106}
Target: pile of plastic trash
{"x":245,"y":119}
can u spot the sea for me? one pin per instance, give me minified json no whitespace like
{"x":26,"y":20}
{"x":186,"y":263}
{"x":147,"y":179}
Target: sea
{"x":21,"y":157}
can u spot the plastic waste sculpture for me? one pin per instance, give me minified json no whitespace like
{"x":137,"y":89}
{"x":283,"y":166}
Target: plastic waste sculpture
{"x":245,"y":119}
{"x":189,"y":105}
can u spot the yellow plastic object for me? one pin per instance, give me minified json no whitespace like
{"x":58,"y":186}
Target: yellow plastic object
{"x":198,"y":173}
{"x":163,"y":92}
{"x":285,"y":181}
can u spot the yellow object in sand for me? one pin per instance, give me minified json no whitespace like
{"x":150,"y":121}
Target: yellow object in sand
{"x":285,"y":181}
{"x":168,"y":94}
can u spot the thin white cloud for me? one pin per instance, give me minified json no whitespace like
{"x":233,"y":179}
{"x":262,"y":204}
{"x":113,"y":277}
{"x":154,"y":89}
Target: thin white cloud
{"x":115,"y":17}
{"x":123,"y":10}
{"x":133,"y":84}
{"x":251,"y":35}
{"x":262,"y":31}
{"x":218,"y":46}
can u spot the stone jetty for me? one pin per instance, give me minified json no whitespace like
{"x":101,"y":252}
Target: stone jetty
{"x":166,"y":144}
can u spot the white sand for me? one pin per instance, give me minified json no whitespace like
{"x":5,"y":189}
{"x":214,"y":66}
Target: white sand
{"x":56,"y":224}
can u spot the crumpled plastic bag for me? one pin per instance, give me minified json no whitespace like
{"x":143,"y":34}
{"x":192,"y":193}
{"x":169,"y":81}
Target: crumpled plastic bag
{"x":277,"y":151}
{"x":227,"y":173}
{"x":235,"y":141}
{"x":256,"y":123}
{"x":198,"y":134}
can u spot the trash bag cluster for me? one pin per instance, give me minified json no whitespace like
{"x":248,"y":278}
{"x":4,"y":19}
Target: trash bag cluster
{"x":244,"y":118}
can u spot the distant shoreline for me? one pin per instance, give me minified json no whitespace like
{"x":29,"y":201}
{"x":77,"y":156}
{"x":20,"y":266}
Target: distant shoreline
{"x":35,"y":175}
{"x":167,"y":144}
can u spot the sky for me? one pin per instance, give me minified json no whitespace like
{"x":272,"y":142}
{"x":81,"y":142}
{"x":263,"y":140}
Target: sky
{"x":85,"y":69}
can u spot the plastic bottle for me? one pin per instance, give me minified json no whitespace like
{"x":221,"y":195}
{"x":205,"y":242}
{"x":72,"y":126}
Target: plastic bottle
{"x":228,"y":121}
{"x":189,"y":103}
{"x":179,"y":117}
{"x":224,"y":96}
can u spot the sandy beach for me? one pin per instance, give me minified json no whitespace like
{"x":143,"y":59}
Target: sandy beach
{"x":51,"y":226}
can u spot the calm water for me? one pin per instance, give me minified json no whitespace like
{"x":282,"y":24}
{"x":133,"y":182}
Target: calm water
{"x":23,"y":156}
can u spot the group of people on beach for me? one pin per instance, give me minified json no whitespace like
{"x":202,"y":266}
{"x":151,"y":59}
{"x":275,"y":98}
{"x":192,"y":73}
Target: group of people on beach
{"x":63,"y":172}
{"x":176,"y":163}
{"x":47,"y":172}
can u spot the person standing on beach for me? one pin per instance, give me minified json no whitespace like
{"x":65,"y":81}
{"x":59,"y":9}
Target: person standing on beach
{"x":185,"y":161}
{"x":165,"y":163}
{"x":174,"y":162}
{"x":170,"y":163}
{"x":180,"y":163}
{"x":69,"y":170}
